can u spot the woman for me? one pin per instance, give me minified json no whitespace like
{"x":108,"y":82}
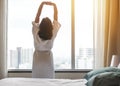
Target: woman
{"x":44,"y":34}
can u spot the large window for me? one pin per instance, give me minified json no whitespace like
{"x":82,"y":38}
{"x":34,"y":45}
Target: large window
{"x":68,"y":54}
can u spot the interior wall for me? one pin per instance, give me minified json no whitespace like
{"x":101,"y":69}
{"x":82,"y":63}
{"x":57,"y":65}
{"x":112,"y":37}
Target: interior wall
{"x":57,"y":75}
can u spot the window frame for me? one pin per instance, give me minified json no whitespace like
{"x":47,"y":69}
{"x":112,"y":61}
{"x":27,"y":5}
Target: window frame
{"x":72,"y":50}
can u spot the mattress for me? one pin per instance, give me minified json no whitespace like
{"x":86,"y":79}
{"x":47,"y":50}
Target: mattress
{"x":41,"y":82}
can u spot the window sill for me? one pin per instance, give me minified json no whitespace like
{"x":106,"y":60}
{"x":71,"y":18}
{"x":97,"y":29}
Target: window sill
{"x":56,"y":71}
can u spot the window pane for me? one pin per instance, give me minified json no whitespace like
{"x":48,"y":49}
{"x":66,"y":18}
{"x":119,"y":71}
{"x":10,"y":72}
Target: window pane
{"x":84,"y":34}
{"x":62,"y":45}
{"x":21,"y":13}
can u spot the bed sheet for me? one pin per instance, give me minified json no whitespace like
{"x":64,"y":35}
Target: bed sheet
{"x":42,"y":82}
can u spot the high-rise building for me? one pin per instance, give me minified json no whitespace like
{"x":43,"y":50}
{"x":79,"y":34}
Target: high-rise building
{"x":13,"y":59}
{"x":85,"y":58}
{"x":21,"y":58}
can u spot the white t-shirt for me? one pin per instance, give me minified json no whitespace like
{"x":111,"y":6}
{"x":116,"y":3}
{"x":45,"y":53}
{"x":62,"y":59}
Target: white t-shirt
{"x":44,"y":45}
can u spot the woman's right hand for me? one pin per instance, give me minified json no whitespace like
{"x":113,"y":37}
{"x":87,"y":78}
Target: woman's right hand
{"x":48,"y":3}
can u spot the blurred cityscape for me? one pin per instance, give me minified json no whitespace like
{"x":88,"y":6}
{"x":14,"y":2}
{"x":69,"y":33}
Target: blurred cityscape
{"x":22,"y":59}
{"x":85,"y":58}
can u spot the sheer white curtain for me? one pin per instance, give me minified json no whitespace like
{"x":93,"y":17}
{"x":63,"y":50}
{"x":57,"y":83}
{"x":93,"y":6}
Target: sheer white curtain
{"x":106,"y":31}
{"x":99,"y":8}
{"x":3,"y":50}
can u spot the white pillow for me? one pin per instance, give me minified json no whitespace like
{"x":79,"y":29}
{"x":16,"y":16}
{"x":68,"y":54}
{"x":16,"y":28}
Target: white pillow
{"x":119,"y":65}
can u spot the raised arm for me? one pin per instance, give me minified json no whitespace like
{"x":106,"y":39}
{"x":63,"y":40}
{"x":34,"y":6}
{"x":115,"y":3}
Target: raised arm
{"x":39,"y":12}
{"x":37,"y":18}
{"x":55,"y":9}
{"x":55,"y":12}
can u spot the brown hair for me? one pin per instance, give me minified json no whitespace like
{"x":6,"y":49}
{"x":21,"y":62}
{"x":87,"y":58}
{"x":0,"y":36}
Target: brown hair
{"x":46,"y":28}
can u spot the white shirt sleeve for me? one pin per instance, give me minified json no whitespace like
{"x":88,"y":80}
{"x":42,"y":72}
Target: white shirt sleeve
{"x":56,"y":26}
{"x":35,"y":27}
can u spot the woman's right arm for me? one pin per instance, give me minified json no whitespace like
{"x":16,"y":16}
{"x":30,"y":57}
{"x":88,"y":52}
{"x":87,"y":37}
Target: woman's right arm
{"x":37,"y":18}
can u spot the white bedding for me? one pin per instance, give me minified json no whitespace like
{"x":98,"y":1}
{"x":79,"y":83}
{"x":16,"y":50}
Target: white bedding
{"x":41,"y":82}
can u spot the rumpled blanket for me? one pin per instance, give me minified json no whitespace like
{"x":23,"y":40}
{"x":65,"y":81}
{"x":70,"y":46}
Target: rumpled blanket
{"x":107,"y":79}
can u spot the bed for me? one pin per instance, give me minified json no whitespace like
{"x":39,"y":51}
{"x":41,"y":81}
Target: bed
{"x":108,"y":76}
{"x":41,"y":82}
